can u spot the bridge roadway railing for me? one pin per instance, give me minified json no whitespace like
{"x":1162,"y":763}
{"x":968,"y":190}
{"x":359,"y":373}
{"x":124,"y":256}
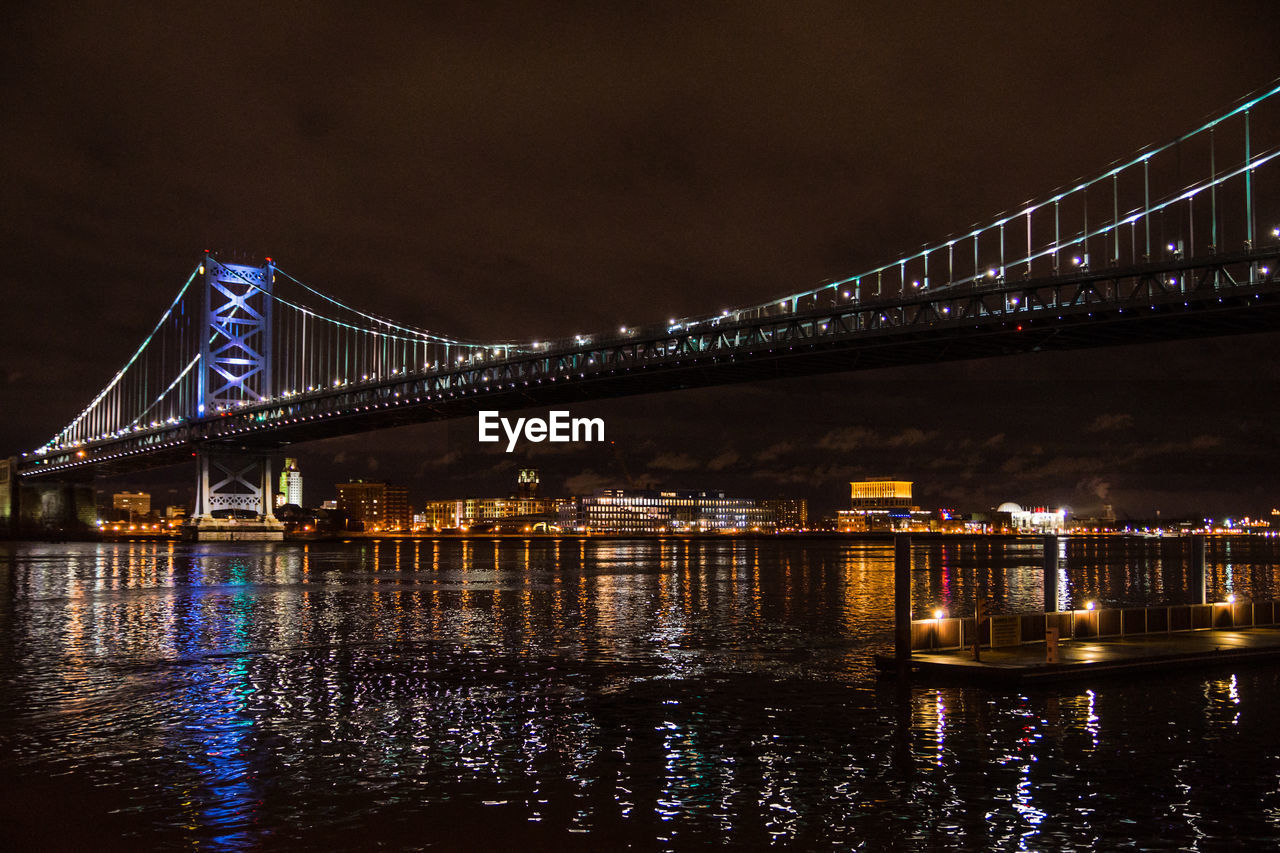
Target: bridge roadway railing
{"x":1202,"y":296}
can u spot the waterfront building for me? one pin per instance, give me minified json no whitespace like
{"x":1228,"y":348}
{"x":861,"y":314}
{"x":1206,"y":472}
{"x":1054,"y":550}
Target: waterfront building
{"x":654,"y":511}
{"x":131,"y":505}
{"x":463,"y":513}
{"x":880,"y":503}
{"x":379,"y":506}
{"x":788,"y":513}
{"x":880,"y":493}
{"x":1036,"y":520}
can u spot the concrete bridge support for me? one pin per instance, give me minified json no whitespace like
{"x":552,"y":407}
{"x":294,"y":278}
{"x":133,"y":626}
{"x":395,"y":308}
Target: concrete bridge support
{"x":233,"y":499}
{"x":44,"y":509}
{"x":8,"y":496}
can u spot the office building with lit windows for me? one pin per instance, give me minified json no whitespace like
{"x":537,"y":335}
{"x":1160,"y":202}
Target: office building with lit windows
{"x":652,"y":511}
{"x":463,"y":513}
{"x":378,"y":506}
{"x":881,"y":503}
{"x":788,"y":513}
{"x":131,"y":505}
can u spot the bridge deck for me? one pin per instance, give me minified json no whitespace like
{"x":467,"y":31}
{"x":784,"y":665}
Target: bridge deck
{"x":1085,"y":659}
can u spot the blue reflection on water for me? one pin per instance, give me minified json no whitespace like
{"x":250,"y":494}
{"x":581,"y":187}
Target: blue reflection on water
{"x":218,"y":722}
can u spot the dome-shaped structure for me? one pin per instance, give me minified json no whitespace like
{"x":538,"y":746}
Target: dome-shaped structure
{"x":1008,"y":506}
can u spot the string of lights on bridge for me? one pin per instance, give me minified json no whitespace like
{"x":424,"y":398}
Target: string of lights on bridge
{"x":317,"y":349}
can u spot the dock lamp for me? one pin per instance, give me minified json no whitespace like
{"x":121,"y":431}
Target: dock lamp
{"x":1230,"y":605}
{"x":938,"y":615}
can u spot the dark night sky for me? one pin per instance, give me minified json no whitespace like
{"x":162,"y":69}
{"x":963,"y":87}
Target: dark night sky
{"x":528,"y":171}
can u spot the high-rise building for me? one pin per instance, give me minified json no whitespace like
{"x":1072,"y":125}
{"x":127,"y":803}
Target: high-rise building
{"x":290,"y":483}
{"x":380,"y":506}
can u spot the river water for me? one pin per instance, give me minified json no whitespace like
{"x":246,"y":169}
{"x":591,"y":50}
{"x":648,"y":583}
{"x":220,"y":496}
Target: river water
{"x":599,"y":695}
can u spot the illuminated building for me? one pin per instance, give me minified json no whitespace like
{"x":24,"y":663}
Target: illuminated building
{"x":1035,"y":520}
{"x":378,"y":506}
{"x":880,"y":503}
{"x":651,"y":511}
{"x":788,"y":513}
{"x":880,"y":493}
{"x":290,"y":483}
{"x":132,"y":504}
{"x":464,"y":513}
{"x":527,"y":483}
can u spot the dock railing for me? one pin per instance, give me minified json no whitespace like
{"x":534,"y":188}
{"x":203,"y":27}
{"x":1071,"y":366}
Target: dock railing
{"x":1018,"y":629}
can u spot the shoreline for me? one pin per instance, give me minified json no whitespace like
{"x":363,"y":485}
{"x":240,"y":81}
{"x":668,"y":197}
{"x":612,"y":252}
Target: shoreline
{"x":873,"y":536}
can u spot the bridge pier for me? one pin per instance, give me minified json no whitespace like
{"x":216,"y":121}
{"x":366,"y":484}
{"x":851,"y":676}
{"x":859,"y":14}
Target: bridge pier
{"x":9,"y":509}
{"x":233,"y":500}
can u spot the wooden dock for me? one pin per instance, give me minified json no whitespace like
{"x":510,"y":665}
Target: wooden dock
{"x":1088,"y":658}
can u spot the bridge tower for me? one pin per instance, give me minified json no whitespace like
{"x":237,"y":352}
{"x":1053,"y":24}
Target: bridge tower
{"x":233,"y":484}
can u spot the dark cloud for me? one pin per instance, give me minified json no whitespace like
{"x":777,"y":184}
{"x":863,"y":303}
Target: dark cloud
{"x":1107,"y":422}
{"x":588,"y":481}
{"x":675,"y":462}
{"x":775,"y":451}
{"x":724,"y":461}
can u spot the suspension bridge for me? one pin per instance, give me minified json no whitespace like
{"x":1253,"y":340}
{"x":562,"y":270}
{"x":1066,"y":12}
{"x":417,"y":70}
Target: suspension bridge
{"x":1179,"y":240}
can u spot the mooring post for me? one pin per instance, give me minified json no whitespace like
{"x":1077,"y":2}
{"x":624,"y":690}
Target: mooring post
{"x":902,"y":599}
{"x":1196,"y":570}
{"x":1050,"y":573}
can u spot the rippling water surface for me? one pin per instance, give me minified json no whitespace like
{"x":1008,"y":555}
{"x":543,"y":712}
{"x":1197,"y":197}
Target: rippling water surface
{"x":597,"y":695}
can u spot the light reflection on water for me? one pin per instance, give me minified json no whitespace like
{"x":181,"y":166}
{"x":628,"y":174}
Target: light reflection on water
{"x":668,"y":694}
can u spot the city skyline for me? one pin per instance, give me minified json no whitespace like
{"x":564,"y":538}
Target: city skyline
{"x":822,"y":174}
{"x":828,"y":514}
